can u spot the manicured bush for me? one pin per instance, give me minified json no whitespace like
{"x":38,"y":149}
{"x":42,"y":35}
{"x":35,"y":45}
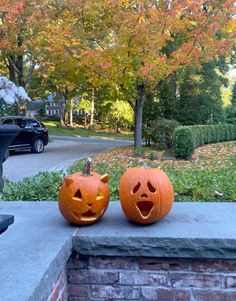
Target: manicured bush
{"x":187,"y":138}
{"x":160,"y":132}
{"x":183,"y":142}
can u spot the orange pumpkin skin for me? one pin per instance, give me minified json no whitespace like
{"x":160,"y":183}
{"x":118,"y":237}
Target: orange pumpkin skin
{"x":83,"y":200}
{"x":146,"y":194}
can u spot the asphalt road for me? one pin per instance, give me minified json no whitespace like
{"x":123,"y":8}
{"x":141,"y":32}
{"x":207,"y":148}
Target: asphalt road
{"x":58,"y":154}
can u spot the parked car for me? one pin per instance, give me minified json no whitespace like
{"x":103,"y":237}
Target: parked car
{"x":33,"y":134}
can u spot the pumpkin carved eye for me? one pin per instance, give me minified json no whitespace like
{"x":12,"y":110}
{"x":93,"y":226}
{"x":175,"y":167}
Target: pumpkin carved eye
{"x":78,"y":194}
{"x":136,"y":188}
{"x":151,"y":188}
{"x":100,"y":195}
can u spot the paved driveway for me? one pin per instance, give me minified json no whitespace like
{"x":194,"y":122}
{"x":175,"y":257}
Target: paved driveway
{"x":58,"y":154}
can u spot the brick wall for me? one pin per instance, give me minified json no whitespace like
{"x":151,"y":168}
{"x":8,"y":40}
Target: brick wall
{"x":139,"y":278}
{"x":59,"y":290}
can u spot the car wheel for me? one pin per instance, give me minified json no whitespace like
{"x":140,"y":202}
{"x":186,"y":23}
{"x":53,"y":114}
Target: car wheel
{"x":38,"y":146}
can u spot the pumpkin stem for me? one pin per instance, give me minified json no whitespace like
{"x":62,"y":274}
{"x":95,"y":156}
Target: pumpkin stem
{"x":86,"y":168}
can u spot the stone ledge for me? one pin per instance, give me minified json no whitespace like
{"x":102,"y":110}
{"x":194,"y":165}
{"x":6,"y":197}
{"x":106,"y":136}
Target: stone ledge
{"x":35,"y":249}
{"x":191,"y":230}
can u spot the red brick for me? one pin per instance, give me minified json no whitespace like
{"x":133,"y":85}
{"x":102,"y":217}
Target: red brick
{"x":230,"y":281}
{"x":214,"y":295}
{"x":195,"y":280}
{"x":77,"y":261}
{"x":62,"y":279}
{"x":64,"y":295}
{"x":105,"y":262}
{"x":163,"y":264}
{"x":78,"y":290}
{"x":114,"y":292}
{"x":143,"y":278}
{"x":54,"y":295}
{"x":161,"y":294}
{"x":209,"y":265}
{"x":59,"y":286}
{"x":92,"y":277}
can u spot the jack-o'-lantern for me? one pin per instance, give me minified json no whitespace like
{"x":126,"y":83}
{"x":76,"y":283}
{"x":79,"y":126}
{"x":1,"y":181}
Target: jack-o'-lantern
{"x":83,"y":197}
{"x":146,"y":194}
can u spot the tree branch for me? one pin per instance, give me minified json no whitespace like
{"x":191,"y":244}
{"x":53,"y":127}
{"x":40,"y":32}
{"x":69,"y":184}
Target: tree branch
{"x":29,"y":76}
{"x":11,"y":61}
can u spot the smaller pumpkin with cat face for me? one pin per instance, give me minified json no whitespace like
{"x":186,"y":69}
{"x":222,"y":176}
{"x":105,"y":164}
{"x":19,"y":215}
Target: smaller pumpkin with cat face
{"x":83,"y":197}
{"x":146,"y":194}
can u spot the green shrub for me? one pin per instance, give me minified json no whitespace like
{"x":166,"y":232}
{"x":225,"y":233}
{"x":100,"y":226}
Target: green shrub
{"x":187,"y":138}
{"x":231,"y":114}
{"x":161,"y":132}
{"x":183,"y":142}
{"x":42,"y":187}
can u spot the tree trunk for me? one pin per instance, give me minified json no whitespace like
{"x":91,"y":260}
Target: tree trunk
{"x":11,"y":69}
{"x":71,"y":113}
{"x":138,"y":117}
{"x":16,"y":75}
{"x":20,"y":67}
{"x":92,"y":109}
{"x":85,"y":120}
{"x":62,"y":113}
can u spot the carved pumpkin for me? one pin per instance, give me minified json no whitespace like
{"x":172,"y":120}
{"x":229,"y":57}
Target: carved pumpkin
{"x":146,"y":194}
{"x":83,"y":197}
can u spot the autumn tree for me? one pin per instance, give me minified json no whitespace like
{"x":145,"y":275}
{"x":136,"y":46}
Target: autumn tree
{"x":134,"y":45}
{"x":20,"y":23}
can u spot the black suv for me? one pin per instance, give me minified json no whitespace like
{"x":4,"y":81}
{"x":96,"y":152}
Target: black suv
{"x":33,"y":134}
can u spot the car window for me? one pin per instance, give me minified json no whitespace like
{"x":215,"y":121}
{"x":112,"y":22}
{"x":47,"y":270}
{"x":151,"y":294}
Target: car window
{"x":8,"y":121}
{"x":34,"y":123}
{"x":21,"y":123}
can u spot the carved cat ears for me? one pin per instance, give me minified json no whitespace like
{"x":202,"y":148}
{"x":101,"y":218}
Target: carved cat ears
{"x":104,"y":178}
{"x":86,"y":173}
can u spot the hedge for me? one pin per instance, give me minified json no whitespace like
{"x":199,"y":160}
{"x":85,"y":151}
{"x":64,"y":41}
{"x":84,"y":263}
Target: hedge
{"x":187,"y":138}
{"x":160,"y":133}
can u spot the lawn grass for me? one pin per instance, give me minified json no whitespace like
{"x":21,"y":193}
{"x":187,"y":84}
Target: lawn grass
{"x":53,"y":129}
{"x":210,"y":177}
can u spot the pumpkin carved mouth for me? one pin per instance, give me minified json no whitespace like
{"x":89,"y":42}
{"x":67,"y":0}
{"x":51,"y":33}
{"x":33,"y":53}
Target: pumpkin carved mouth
{"x":87,"y":216}
{"x":145,"y":207}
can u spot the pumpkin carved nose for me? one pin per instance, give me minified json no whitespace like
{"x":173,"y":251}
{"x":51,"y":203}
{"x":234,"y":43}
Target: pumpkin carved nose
{"x":144,"y":195}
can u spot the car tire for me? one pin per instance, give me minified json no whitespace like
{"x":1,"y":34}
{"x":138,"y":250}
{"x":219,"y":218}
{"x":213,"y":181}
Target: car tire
{"x":37,"y":146}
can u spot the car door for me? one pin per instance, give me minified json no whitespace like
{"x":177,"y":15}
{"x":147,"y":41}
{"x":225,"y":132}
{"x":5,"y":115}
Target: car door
{"x":23,"y":139}
{"x":11,"y":121}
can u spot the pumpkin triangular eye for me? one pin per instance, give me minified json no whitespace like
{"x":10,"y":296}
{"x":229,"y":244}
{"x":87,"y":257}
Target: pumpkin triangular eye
{"x":151,"y":188}
{"x":136,"y":187}
{"x":100,"y":195}
{"x":78,"y":194}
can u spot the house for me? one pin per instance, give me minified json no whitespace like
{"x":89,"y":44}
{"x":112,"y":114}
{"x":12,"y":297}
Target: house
{"x":49,"y":107}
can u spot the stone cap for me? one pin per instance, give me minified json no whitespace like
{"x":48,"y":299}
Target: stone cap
{"x":190,"y":230}
{"x":33,"y":250}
